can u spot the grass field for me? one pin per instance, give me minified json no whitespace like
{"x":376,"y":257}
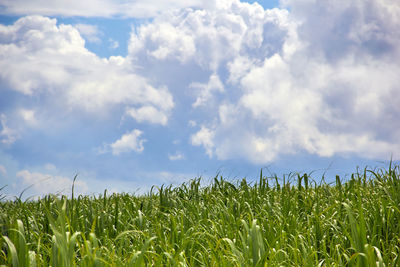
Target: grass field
{"x":294,"y":221}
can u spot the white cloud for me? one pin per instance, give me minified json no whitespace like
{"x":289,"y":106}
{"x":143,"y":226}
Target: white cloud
{"x":305,"y":114}
{"x":28,"y":115}
{"x":171,"y":42}
{"x":149,"y":114}
{"x":357,"y":28}
{"x":94,"y":8}
{"x":40,"y":58}
{"x":204,"y":137}
{"x":7,"y":135}
{"x":90,"y":32}
{"x":128,"y":142}
{"x":320,"y":77}
{"x":212,"y":36}
{"x":177,"y":156}
{"x":324,"y":83}
{"x":206,"y":90}
{"x":66,"y":8}
{"x":43,"y":184}
{"x":3,"y":170}
{"x":117,"y":88}
{"x":238,"y":67}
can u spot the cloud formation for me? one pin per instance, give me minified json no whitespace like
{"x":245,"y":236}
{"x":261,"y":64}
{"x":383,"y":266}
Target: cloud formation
{"x":94,"y":8}
{"x":177,"y":156}
{"x":90,"y":32}
{"x":149,"y":114}
{"x":320,"y":78}
{"x":206,"y":90}
{"x":204,"y":137}
{"x":42,"y":60}
{"x":128,"y":142}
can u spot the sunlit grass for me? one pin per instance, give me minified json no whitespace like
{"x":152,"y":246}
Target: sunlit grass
{"x":290,"y":222}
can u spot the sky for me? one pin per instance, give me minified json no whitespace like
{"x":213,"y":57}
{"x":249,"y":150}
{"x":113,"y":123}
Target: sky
{"x":130,"y":94}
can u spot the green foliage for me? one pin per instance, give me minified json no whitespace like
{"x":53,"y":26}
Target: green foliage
{"x":290,"y":222}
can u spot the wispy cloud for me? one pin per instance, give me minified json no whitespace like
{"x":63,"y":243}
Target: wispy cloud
{"x":113,"y":44}
{"x":94,"y":8}
{"x":89,"y":32}
{"x":43,"y":184}
{"x":177,"y":156}
{"x":29,"y":116}
{"x":8,"y":136}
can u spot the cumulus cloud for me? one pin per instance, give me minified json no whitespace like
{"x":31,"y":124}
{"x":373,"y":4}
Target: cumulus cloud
{"x":213,"y":36}
{"x":204,"y":137}
{"x":39,"y":57}
{"x":149,"y":114}
{"x":128,"y":142}
{"x":43,"y":184}
{"x":331,"y":95}
{"x":357,"y":28}
{"x":320,"y":77}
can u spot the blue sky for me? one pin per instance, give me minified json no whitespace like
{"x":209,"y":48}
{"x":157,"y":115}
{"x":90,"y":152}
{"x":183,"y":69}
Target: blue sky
{"x":130,"y":94}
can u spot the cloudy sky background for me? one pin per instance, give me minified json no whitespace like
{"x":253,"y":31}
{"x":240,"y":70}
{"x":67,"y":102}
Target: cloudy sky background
{"x":130,"y":94}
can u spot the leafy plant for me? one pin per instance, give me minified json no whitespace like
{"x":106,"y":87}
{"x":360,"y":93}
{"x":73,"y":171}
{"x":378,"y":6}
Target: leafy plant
{"x":293,"y":221}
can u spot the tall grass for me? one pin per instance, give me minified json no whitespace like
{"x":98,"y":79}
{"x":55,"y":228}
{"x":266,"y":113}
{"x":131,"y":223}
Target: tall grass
{"x":291,"y":222}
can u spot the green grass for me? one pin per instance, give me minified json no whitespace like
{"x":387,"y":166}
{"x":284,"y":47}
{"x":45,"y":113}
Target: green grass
{"x":291,"y":222}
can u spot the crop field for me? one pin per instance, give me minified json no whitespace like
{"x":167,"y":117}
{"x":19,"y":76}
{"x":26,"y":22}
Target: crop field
{"x":288,"y":221}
